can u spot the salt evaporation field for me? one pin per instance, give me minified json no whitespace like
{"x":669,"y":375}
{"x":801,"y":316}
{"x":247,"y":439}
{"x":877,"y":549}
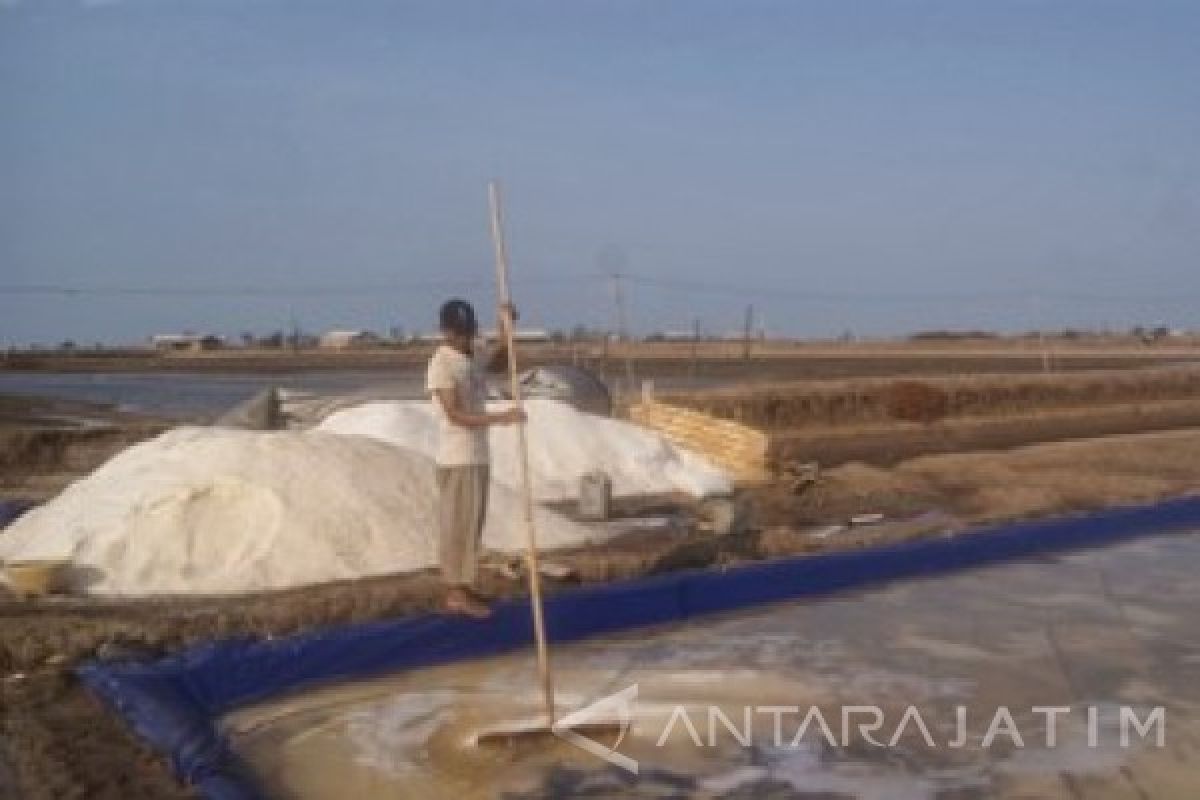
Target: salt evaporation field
{"x":1084,"y":635}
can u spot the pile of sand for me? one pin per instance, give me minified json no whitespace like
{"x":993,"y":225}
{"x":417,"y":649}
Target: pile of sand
{"x":564,"y":444}
{"x":203,"y":510}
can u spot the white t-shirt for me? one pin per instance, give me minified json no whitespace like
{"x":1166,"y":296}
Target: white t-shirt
{"x":450,"y":369}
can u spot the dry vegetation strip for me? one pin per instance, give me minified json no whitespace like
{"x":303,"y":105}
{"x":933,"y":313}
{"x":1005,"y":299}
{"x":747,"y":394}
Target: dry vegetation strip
{"x":856,"y":402}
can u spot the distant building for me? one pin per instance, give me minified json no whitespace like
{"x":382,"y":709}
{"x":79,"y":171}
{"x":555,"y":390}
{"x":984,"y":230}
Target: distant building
{"x":527,"y":336}
{"x":346,"y":340}
{"x":427,"y":338}
{"x":182,"y":342}
{"x":673,"y":336}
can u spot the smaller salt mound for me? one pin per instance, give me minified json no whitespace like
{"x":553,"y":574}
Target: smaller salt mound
{"x":564,"y":444}
{"x":204,"y":510}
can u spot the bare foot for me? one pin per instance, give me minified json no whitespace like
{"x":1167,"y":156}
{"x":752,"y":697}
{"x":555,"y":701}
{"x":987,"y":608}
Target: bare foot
{"x":460,"y":600}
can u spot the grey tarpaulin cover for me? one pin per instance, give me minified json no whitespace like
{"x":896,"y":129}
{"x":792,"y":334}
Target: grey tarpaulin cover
{"x":570,"y":384}
{"x":262,"y":412}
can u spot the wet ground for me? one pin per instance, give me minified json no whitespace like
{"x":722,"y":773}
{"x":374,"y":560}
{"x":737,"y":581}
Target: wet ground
{"x":188,"y":395}
{"x":962,"y":670}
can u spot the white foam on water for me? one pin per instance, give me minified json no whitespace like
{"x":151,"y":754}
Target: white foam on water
{"x":390,"y":737}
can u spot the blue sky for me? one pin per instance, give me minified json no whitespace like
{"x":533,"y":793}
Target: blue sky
{"x":881,"y":167}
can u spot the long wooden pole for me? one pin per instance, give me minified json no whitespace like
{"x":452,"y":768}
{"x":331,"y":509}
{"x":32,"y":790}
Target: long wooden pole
{"x":531,"y":551}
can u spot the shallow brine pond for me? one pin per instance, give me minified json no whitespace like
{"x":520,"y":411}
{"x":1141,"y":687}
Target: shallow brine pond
{"x":1072,"y":676}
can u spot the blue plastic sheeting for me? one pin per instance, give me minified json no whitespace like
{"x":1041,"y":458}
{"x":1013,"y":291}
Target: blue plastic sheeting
{"x":11,"y":509}
{"x":175,"y":703}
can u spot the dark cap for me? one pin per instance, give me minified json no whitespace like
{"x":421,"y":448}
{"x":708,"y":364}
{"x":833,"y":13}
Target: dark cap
{"x":457,"y":316}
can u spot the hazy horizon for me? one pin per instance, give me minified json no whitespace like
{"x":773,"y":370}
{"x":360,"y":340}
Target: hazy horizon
{"x":227,"y":166}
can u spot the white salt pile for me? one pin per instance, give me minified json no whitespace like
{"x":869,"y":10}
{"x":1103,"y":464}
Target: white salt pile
{"x":217,"y":511}
{"x":564,"y":444}
{"x":203,"y":510}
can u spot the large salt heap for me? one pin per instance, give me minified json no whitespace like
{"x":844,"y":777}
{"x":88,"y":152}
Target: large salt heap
{"x":203,"y":510}
{"x":563,"y":445}
{"x":209,"y":510}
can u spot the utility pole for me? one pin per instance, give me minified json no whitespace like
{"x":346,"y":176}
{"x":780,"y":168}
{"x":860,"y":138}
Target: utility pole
{"x":620,"y":317}
{"x":1047,"y":363}
{"x":695,"y":348}
{"x":747,"y":332}
{"x":621,"y":320}
{"x":294,"y":336}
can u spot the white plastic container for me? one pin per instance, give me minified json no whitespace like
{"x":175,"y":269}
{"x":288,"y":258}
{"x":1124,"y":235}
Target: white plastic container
{"x":595,"y":496}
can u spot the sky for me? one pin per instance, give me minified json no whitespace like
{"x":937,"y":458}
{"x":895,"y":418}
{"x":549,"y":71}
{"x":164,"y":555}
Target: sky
{"x":875,"y":167}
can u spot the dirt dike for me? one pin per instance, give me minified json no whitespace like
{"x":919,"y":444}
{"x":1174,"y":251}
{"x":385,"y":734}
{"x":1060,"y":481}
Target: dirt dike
{"x":823,"y":404}
{"x":889,"y":443}
{"x":40,"y":454}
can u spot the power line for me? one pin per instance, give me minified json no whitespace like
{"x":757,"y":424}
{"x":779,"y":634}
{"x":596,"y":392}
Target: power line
{"x":1022,"y":296}
{"x":279,"y":290}
{"x":618,"y":283}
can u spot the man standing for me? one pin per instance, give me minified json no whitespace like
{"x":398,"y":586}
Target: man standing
{"x":456,"y":380}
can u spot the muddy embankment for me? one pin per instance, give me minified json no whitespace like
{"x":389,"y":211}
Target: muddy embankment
{"x":46,"y":443}
{"x":701,"y":364}
{"x":882,"y":421}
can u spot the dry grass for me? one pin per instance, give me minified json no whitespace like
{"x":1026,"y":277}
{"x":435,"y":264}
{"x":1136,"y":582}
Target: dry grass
{"x":856,"y":402}
{"x":1076,"y":475}
{"x":1000,"y":485}
{"x":914,"y":401}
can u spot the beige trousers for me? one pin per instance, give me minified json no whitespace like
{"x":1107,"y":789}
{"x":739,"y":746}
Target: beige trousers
{"x":462,"y":507}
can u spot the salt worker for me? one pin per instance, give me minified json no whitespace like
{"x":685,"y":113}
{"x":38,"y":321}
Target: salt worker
{"x":456,"y":381}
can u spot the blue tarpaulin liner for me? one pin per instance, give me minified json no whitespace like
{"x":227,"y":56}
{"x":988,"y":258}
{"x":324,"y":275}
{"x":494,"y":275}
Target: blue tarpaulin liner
{"x":175,"y":703}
